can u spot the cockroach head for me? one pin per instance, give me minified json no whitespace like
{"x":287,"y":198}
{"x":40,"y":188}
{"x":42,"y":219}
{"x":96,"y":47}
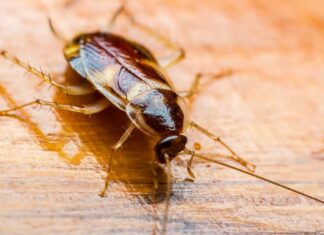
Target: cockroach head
{"x":171,"y":146}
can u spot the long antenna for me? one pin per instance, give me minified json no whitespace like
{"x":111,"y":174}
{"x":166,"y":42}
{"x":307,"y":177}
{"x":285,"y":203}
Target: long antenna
{"x":168,"y":195}
{"x":192,"y":153}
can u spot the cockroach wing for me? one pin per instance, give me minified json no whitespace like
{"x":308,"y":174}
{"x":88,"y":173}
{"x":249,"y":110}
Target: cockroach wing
{"x":77,"y":65}
{"x":101,"y":70}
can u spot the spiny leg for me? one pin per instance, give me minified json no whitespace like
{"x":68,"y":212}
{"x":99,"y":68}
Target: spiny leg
{"x":96,"y":107}
{"x":7,"y":111}
{"x":189,"y":94}
{"x":82,"y":89}
{"x":115,"y":148}
{"x":238,"y":159}
{"x":167,"y":62}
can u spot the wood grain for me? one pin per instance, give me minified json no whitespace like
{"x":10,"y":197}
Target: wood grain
{"x":271,"y":111}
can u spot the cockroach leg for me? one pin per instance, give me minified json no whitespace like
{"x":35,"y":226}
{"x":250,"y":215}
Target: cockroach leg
{"x":96,"y":107}
{"x":189,"y":163}
{"x":195,"y":85}
{"x":115,"y":148}
{"x":56,"y":34}
{"x":115,"y":16}
{"x":124,"y":137}
{"x":193,"y":89}
{"x":167,"y":62}
{"x":235,"y":157}
{"x":189,"y":168}
{"x":7,"y":111}
{"x":83,"y":89}
{"x":174,"y":59}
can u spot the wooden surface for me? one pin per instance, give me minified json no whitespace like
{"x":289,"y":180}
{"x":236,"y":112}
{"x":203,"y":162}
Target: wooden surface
{"x":271,"y":111}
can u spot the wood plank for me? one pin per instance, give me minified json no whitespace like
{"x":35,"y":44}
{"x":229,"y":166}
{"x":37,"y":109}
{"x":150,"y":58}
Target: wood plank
{"x":270,"y":111}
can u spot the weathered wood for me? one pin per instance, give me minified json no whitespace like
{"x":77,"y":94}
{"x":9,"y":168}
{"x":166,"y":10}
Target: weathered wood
{"x":271,"y":111}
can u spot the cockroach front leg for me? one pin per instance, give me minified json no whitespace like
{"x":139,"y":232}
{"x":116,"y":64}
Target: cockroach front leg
{"x":189,"y":163}
{"x":115,"y":149}
{"x":235,"y":157}
{"x":189,"y":170}
{"x":195,"y":85}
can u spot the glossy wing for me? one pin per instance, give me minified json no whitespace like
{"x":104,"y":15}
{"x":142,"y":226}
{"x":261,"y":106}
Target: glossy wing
{"x":77,"y":65}
{"x":101,"y":69}
{"x":120,"y":69}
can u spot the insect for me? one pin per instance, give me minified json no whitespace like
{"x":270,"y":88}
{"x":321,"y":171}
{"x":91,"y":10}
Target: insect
{"x":131,"y":78}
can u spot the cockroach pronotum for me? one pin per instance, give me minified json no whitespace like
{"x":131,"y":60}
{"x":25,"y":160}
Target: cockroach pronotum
{"x":130,"y":77}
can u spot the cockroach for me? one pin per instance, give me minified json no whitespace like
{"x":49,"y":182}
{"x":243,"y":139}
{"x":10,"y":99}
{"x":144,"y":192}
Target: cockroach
{"x":130,"y":77}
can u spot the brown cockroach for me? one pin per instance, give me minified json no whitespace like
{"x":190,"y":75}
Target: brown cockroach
{"x":129,"y":76}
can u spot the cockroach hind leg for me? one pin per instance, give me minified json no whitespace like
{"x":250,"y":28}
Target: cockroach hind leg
{"x":166,"y":62}
{"x":250,"y":167}
{"x":56,"y":34}
{"x":90,"y":109}
{"x":95,"y":107}
{"x":174,"y":58}
{"x":7,"y":111}
{"x":68,"y":89}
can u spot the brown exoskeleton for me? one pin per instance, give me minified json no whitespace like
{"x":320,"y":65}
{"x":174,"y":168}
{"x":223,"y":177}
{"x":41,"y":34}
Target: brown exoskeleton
{"x":129,"y":76}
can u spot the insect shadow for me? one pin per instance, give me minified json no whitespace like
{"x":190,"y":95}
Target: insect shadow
{"x":92,"y":136}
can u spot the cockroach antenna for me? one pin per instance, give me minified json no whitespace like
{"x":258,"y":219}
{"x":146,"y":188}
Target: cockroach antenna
{"x":201,"y":156}
{"x":193,"y":155}
{"x":168,"y":195}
